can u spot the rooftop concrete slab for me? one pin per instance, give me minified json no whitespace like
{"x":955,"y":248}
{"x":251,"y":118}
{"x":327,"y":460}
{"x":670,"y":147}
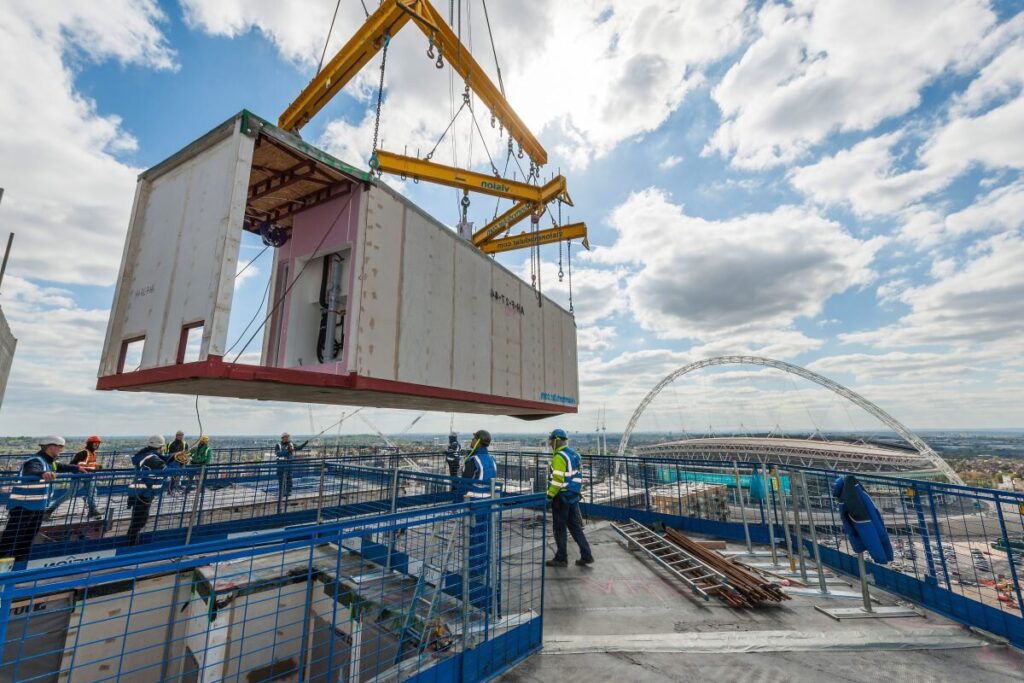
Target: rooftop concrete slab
{"x":625,"y":619}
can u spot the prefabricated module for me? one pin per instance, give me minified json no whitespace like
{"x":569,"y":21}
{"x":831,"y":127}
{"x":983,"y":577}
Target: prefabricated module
{"x":372,"y":301}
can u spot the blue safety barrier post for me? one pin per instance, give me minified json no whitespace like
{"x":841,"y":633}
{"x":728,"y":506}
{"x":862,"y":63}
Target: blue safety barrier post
{"x":1009,"y":552}
{"x":938,"y":539}
{"x":923,"y":530}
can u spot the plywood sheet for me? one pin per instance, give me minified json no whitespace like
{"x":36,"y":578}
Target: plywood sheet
{"x":532,"y":352}
{"x":428,"y":281}
{"x":380,"y":286}
{"x":570,"y":361}
{"x":506,"y":335}
{"x":554,"y":380}
{"x":181,"y":254}
{"x":471,"y":350}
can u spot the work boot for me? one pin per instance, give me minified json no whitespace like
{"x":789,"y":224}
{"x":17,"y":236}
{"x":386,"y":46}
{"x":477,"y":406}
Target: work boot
{"x":95,"y":513}
{"x":557,"y":563}
{"x":583,"y":562}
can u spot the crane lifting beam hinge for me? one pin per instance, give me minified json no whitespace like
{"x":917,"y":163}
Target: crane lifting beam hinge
{"x":421,"y":169}
{"x":532,"y":239}
{"x":550,"y":191}
{"x":382,"y":25}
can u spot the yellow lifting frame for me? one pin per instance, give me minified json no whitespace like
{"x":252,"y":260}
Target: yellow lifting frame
{"x":387,"y":20}
{"x":549,"y":192}
{"x":471,"y":181}
{"x":532,"y":239}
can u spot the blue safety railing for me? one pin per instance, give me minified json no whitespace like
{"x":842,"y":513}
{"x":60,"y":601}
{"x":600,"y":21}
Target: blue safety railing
{"x":959,"y":550}
{"x":192,"y":504}
{"x":121,"y":459}
{"x":446,"y":592}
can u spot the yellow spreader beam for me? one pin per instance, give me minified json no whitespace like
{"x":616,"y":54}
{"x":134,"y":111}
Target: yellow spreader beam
{"x":421,"y":169}
{"x":366,"y":42}
{"x":549,"y":192}
{"x":532,"y":239}
{"x":382,"y":25}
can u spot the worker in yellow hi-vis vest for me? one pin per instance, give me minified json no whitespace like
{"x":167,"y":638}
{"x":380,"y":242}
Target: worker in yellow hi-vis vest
{"x":565,"y":488}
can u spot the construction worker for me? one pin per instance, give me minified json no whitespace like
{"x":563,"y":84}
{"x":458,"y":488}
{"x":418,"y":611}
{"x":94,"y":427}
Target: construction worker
{"x":453,"y":456}
{"x":176,"y":456}
{"x":31,"y":497}
{"x":479,"y":466}
{"x":89,"y":463}
{"x":285,"y":451}
{"x":199,"y":455}
{"x":145,"y":487}
{"x":565,"y":486}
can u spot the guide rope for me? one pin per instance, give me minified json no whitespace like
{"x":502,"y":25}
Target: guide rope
{"x":329,"y":31}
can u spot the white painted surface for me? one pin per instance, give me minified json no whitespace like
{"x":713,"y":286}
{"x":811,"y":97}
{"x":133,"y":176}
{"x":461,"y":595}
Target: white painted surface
{"x":506,"y":333}
{"x":424,"y":306}
{"x":7,"y":346}
{"x":532,"y":351}
{"x":463,"y":321}
{"x":471,"y":369}
{"x":179,"y":264}
{"x":376,"y":341}
{"x":424,"y":353}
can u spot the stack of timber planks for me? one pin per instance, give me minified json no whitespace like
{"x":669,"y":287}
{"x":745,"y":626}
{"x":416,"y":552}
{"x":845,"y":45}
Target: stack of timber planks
{"x":748,"y":589}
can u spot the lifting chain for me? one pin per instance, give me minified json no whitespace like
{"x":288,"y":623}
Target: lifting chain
{"x":465,"y":205}
{"x":374,"y":163}
{"x":568,"y":254}
{"x":533,"y":261}
{"x":560,"y":272}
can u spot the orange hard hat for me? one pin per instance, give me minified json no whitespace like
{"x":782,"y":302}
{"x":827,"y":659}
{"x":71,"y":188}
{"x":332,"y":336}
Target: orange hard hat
{"x":94,"y":439}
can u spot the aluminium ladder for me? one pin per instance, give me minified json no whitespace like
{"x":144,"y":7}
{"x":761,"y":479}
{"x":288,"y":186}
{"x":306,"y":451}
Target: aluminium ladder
{"x":439,"y":550}
{"x":701,"y":578}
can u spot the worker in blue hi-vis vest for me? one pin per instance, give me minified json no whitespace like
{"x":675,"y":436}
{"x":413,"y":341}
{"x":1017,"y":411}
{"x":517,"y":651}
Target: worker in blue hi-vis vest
{"x":565,"y":488}
{"x":31,"y":496}
{"x":146,"y":486}
{"x":453,"y":456}
{"x":479,"y":466}
{"x":285,"y":451}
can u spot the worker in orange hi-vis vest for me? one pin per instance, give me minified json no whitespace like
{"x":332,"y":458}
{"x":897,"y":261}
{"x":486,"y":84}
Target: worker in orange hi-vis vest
{"x":90,"y":463}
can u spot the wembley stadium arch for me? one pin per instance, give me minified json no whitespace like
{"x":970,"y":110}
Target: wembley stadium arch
{"x":923,"y":449}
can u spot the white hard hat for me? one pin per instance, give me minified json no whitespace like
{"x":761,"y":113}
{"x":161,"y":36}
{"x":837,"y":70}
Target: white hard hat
{"x":286,"y":435}
{"x":155,"y":441}
{"x":52,"y":441}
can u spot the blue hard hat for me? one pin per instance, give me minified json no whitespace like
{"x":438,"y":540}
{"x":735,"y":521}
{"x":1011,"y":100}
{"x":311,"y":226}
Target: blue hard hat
{"x":558,"y":434}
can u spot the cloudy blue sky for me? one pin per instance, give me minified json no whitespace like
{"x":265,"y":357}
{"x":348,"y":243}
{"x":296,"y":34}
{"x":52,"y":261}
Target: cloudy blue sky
{"x":836,"y":184}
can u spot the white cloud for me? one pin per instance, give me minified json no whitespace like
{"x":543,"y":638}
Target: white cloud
{"x":597,"y":292}
{"x":1001,"y":209}
{"x":901,"y":366}
{"x":66,"y":192}
{"x":981,"y":303}
{"x":595,"y":338}
{"x":670,"y":161}
{"x":632,"y":64}
{"x":833,"y":66}
{"x":862,"y":176}
{"x":743,"y":280}
{"x":900,"y":172}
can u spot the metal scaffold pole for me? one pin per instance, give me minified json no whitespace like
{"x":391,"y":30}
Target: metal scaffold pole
{"x":799,"y":531}
{"x":814,"y":534}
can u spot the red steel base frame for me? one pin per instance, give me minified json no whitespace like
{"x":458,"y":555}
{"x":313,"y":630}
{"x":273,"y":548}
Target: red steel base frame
{"x":214,"y":377}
